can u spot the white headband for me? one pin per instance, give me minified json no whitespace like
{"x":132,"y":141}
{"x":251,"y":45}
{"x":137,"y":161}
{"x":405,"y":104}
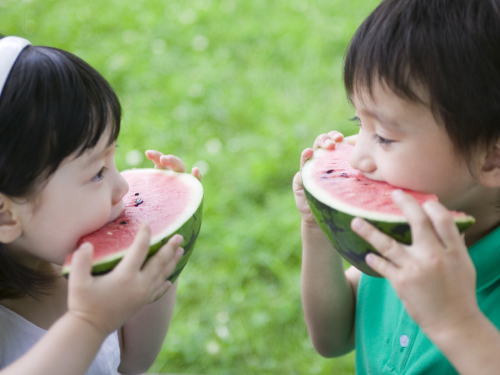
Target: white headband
{"x":10,"y":48}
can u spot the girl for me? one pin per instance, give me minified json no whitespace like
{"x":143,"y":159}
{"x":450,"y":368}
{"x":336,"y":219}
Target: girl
{"x":59,"y":120}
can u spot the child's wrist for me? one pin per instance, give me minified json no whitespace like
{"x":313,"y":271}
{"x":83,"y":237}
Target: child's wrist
{"x":449,"y":333}
{"x":310,"y":225}
{"x":86,"y":324}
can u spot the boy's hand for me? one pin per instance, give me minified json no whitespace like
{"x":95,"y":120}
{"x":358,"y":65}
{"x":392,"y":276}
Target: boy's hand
{"x":170,"y":162}
{"x":326,"y":141}
{"x":108,"y":302}
{"x":434,"y":277}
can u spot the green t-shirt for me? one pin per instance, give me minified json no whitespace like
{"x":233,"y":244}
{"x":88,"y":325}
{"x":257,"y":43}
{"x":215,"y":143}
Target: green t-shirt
{"x":388,"y":341}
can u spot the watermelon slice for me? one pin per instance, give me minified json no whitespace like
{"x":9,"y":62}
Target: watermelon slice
{"x":337,"y":193}
{"x":170,"y":202}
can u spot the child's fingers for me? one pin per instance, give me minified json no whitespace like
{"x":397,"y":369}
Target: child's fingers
{"x":137,"y":252}
{"x":387,"y":246}
{"x":351,"y":139}
{"x":154,"y":156}
{"x":196,"y":173}
{"x":381,"y":265}
{"x":324,"y":141}
{"x":305,"y":156}
{"x":81,"y":263}
{"x":444,"y":225}
{"x":161,"y":290}
{"x":173,"y":162}
{"x":336,"y":136}
{"x":420,"y":224}
{"x":160,"y":263}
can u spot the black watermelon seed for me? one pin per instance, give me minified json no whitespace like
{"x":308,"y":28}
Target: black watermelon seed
{"x":138,"y":201}
{"x":123,"y":223}
{"x":330,"y":171}
{"x":344,"y":175}
{"x":136,"y":194}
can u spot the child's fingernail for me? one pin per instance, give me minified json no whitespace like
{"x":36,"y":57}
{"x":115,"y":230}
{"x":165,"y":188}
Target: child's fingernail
{"x":178,"y":239}
{"x":358,"y":224}
{"x":397,"y":193}
{"x":370,"y":258}
{"x":180,"y":251}
{"x":328,"y":142}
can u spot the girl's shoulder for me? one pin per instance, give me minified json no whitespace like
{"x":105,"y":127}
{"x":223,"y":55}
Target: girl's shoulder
{"x":18,"y":336}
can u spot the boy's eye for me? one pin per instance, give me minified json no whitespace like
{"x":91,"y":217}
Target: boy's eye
{"x":100,"y":175}
{"x":357,"y":120}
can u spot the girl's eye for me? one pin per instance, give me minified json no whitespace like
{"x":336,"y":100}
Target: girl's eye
{"x":356,"y":119}
{"x":382,"y":141}
{"x":100,"y":175}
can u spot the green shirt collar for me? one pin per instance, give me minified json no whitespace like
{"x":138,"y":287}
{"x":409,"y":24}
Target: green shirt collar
{"x":485,"y":255}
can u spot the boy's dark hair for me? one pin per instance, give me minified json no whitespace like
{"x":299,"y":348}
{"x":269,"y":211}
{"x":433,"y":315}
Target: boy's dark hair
{"x":450,"y":48}
{"x":53,"y":105}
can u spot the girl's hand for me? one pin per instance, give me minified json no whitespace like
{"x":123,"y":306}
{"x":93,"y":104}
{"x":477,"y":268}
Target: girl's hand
{"x":108,"y":302}
{"x":326,"y":141}
{"x":434,"y":277}
{"x":170,"y":162}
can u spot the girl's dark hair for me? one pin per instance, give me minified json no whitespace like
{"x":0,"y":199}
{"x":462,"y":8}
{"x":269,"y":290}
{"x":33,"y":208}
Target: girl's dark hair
{"x":450,"y":48}
{"x":53,"y":105}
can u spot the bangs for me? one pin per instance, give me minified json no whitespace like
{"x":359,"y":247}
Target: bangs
{"x":55,"y":105}
{"x":440,"y":53}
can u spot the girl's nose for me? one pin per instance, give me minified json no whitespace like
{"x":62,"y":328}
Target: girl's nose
{"x":361,"y":158}
{"x":120,"y":189}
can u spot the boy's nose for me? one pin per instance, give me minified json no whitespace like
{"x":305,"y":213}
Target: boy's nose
{"x":121,"y":188}
{"x":361,"y":158}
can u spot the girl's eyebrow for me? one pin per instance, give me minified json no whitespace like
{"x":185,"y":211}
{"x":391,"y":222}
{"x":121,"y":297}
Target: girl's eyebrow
{"x":94,"y":157}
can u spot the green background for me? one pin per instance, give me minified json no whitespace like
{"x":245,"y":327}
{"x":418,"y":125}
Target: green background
{"x":238,"y":88}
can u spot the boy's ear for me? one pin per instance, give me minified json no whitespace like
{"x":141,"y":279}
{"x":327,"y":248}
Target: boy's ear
{"x":490,"y":172}
{"x":10,"y":224}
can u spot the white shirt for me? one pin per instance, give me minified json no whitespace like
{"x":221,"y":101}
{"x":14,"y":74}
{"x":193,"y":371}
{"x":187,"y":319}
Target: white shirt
{"x":18,"y":335}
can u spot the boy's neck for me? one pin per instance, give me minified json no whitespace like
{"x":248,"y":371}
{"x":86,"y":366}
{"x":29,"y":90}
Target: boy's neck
{"x":487,"y":220}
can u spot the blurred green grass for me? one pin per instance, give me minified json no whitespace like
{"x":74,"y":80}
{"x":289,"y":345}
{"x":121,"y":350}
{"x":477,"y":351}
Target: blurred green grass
{"x":238,"y":88}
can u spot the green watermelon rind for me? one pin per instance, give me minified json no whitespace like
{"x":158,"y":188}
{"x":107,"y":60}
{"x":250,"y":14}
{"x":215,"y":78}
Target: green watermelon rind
{"x":336,"y":225}
{"x":189,"y":230}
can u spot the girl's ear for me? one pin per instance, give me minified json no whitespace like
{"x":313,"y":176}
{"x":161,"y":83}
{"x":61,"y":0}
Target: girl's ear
{"x":10,"y":224}
{"x":490,"y":172}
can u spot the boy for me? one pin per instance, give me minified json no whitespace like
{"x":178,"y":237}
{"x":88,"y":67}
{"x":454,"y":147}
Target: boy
{"x":424,"y":78}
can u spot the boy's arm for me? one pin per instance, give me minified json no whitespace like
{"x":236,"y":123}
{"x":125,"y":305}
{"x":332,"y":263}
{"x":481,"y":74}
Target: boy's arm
{"x":436,"y":282}
{"x":328,"y":294}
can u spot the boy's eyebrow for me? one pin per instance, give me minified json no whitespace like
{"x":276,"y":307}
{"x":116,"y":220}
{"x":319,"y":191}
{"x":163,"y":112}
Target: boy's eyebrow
{"x":382,"y":119}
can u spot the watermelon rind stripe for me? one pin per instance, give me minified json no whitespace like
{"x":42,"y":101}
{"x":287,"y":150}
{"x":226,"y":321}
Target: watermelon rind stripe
{"x":188,"y":225}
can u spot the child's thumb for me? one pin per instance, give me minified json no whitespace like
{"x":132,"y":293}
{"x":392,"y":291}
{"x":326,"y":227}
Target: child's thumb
{"x":81,"y":263}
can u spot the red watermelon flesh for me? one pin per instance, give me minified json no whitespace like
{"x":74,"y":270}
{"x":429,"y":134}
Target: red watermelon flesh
{"x":164,"y":199}
{"x":337,"y":180}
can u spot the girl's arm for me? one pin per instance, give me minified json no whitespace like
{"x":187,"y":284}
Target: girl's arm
{"x":58,"y":352}
{"x":70,"y":345}
{"x":143,"y":335}
{"x":328,"y":294}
